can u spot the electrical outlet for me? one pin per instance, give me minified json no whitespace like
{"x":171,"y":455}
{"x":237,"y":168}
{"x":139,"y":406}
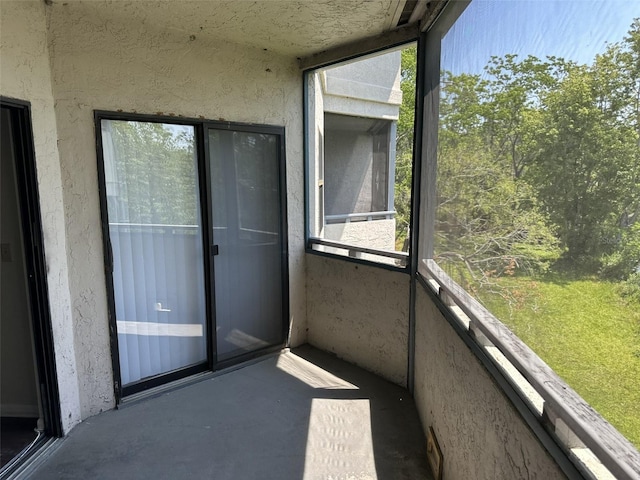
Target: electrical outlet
{"x":434,"y":455}
{"x":5,"y":252}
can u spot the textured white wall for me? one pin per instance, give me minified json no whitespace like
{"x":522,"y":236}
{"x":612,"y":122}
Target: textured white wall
{"x":360,"y":313}
{"x":480,"y":433}
{"x":25,"y":75}
{"x":106,"y":65}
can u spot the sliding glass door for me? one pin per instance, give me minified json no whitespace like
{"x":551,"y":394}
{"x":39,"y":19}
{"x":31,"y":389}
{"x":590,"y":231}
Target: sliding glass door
{"x":246,"y":220}
{"x":192,"y":285}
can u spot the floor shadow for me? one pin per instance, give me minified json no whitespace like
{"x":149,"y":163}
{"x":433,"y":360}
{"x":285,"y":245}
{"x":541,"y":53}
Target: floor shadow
{"x":15,"y":435}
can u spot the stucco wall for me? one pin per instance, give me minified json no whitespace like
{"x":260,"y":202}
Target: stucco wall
{"x":100,"y":64}
{"x":360,"y":313}
{"x":25,"y":75}
{"x":479,"y":431}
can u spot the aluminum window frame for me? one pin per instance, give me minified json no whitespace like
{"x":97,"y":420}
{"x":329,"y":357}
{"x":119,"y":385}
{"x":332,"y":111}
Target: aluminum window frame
{"x":314,"y":244}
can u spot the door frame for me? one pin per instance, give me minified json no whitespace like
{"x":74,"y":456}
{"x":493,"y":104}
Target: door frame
{"x":146,"y":383}
{"x":201,"y":127}
{"x":29,"y":205}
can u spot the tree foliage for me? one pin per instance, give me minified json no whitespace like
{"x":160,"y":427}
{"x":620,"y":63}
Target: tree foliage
{"x":488,"y":220}
{"x":151,"y":174}
{"x":404,"y":143}
{"x":539,"y":165}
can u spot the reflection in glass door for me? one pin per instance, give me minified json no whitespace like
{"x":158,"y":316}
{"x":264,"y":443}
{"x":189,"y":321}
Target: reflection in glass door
{"x":248,"y":242}
{"x":155,"y":233}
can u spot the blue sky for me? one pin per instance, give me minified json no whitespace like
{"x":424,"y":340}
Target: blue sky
{"x":572,"y":29}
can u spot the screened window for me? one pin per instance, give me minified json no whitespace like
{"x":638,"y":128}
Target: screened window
{"x":532,"y":202}
{"x":360,"y":130}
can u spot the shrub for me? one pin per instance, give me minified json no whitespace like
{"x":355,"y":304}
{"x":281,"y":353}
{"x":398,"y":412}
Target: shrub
{"x":630,"y":289}
{"x":625,"y":260}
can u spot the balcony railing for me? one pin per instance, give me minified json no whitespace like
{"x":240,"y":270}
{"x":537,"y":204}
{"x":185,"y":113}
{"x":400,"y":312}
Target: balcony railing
{"x":360,"y":217}
{"x":587,"y":437}
{"x":314,"y":243}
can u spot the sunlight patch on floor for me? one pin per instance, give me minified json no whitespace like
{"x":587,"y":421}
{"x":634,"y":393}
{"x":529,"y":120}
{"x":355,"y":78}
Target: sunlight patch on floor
{"x":311,"y":374}
{"x":340,"y":440}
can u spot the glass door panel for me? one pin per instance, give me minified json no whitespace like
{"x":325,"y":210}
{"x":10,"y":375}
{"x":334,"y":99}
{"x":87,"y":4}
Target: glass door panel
{"x":246,"y":221}
{"x":155,"y":231}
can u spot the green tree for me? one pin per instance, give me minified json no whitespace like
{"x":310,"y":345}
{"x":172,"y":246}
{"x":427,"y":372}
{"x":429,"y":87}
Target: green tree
{"x":152,"y":170}
{"x":404,"y":144}
{"x":540,"y":159}
{"x":586,"y":165}
{"x":488,"y":221}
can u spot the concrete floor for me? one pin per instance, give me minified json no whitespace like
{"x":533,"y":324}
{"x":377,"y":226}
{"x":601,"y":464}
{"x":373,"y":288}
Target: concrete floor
{"x":299,"y":415}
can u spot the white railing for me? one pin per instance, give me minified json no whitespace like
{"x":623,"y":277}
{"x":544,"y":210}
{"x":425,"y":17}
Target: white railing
{"x":314,"y":243}
{"x":589,"y":438}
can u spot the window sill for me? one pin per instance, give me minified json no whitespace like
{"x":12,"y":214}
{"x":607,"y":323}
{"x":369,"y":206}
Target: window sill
{"x":397,"y":261}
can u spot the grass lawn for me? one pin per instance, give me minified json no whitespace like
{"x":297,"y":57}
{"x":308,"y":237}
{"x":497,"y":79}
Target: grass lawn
{"x":586,"y":332}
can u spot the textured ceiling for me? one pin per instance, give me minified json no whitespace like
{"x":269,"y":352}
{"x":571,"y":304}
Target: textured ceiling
{"x":288,"y":27}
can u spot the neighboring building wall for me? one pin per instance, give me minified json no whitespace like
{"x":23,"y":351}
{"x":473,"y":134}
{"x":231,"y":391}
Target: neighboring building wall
{"x":348,"y":168}
{"x":367,"y":88}
{"x":360,"y":313}
{"x":25,"y":75}
{"x":344,"y":155}
{"x":480,"y":433}
{"x":379,"y":234}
